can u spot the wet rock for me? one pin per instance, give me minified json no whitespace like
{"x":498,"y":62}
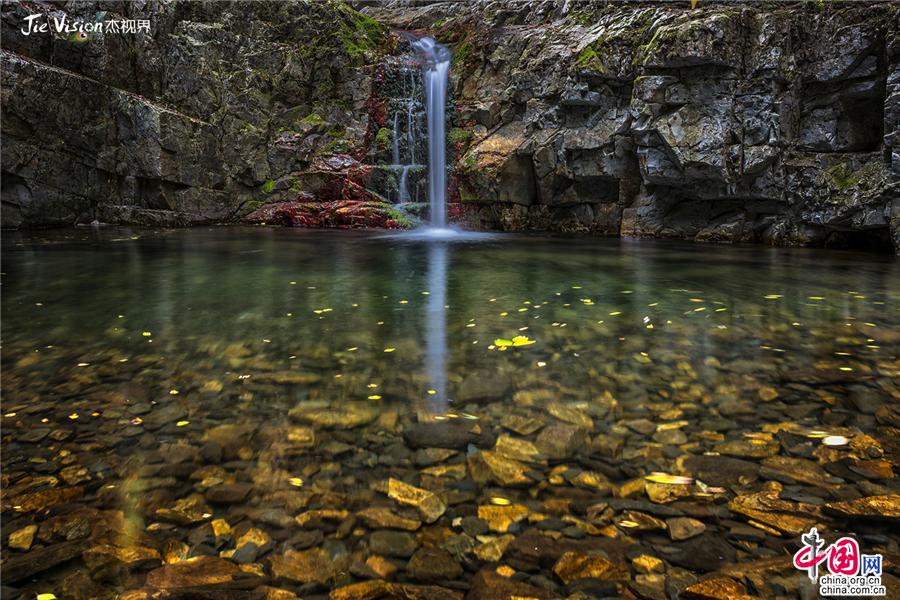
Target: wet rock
{"x":521,"y":424}
{"x":383,"y":518}
{"x":885,"y":508}
{"x":715,"y":588}
{"x":748,"y":448}
{"x":474,"y":526}
{"x":228,"y":493}
{"x":23,"y":566}
{"x":648,"y":564}
{"x":429,"y":505}
{"x":684,"y":528}
{"x":45,"y":499}
{"x":305,"y":566}
{"x":561,"y":441}
{"x":796,"y":469}
{"x":517,"y":449}
{"x":375,"y":567}
{"x":22,"y":538}
{"x":109,"y":562}
{"x":370,"y":590}
{"x":631,"y":520}
{"x":318,"y":517}
{"x":33,"y":436}
{"x":490,"y":585}
{"x":186,"y":511}
{"x":492,"y":549}
{"x":430,"y":456}
{"x":651,"y":586}
{"x":487,"y":466}
{"x":573,"y":566}
{"x":345,"y":415}
{"x":674,"y":437}
{"x":570,"y":414}
{"x":501,"y":518}
{"x":432,"y":565}
{"x":792,"y":518}
{"x":664,"y":493}
{"x":704,"y":553}
{"x":393,"y":543}
{"x":454,"y":434}
{"x":195,"y":572}
{"x":721,"y":470}
{"x":482,"y":387}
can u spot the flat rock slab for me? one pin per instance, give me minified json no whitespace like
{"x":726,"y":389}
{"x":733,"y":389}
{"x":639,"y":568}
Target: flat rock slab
{"x":26,"y":565}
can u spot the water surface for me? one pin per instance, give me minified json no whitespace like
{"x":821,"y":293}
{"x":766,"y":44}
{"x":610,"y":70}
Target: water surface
{"x":145,"y":368}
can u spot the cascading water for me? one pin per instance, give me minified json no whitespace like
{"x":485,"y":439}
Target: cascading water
{"x":404,"y":188}
{"x":395,"y":150}
{"x":435,"y":60}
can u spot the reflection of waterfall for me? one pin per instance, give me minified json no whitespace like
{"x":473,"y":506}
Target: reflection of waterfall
{"x":436,"y":327}
{"x":435,"y":60}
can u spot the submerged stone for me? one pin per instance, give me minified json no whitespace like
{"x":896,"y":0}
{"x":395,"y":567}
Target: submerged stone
{"x":384,"y":518}
{"x":305,"y":566}
{"x":501,"y":518}
{"x":683,"y":528}
{"x":429,"y":505}
{"x":432,"y":565}
{"x":22,"y":538}
{"x":885,"y":507}
{"x":573,"y":566}
{"x":193,"y":572}
{"x":344,"y":415}
{"x":393,"y":543}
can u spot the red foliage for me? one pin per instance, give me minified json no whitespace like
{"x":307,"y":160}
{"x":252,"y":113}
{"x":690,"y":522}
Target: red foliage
{"x":341,"y":214}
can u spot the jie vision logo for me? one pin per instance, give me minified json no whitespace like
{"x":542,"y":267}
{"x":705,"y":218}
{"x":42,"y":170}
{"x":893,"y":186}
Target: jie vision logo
{"x":80,"y":30}
{"x":849,"y":572}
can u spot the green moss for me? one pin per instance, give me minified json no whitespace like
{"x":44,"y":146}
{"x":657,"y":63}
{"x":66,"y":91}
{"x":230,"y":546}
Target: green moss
{"x":336,"y":131}
{"x":458,"y":134}
{"x":313,"y":119}
{"x":460,"y":54}
{"x":336,"y":146}
{"x":251,"y":205}
{"x":296,"y":187}
{"x":588,"y":59}
{"x":582,"y":17}
{"x":360,"y":35}
{"x":384,"y":137}
{"x":842,"y":177}
{"x":401,"y":218}
{"x":269,"y":186}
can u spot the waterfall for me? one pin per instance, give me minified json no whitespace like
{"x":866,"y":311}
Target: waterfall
{"x":395,"y":151}
{"x":411,"y":121}
{"x":435,"y":59}
{"x":404,"y":191}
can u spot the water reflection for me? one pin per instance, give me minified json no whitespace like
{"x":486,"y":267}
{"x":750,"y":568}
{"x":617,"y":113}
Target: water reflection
{"x":236,"y":379}
{"x":436,"y":327}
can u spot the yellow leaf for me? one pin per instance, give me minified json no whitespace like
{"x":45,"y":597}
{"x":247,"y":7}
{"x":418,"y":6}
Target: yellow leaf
{"x":694,"y":4}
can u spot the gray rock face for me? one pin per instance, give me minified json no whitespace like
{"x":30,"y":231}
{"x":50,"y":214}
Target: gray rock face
{"x":725,"y":123}
{"x":737,"y":123}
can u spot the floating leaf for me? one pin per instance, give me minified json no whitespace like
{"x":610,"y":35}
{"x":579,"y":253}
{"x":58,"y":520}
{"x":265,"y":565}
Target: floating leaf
{"x":835,"y":440}
{"x":672,"y":479}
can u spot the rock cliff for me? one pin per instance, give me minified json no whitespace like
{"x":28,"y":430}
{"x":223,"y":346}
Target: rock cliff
{"x":764,"y":121}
